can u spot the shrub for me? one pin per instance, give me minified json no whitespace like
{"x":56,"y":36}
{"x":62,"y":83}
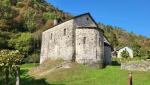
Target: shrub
{"x":33,"y":58}
{"x":125,"y":54}
{"x":23,"y":43}
{"x":9,"y":61}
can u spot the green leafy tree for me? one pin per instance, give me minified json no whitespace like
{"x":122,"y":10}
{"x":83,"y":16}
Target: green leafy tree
{"x":148,"y":54}
{"x":23,"y":43}
{"x":114,"y":40}
{"x":4,"y":36}
{"x":5,"y":15}
{"x":49,"y":15}
{"x":125,"y":54}
{"x":9,"y":59}
{"x":29,"y":20}
{"x":136,"y":50}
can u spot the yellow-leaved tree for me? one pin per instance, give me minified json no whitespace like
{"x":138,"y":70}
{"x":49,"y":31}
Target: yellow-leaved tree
{"x":9,"y":64}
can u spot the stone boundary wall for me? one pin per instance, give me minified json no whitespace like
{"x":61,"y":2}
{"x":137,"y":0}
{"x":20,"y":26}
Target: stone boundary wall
{"x":136,"y":65}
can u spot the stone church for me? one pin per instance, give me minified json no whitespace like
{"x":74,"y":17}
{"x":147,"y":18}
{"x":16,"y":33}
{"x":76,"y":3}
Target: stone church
{"x":78,"y":39}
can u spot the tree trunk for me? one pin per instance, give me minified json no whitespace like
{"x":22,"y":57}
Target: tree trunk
{"x":18,"y":75}
{"x":6,"y":76}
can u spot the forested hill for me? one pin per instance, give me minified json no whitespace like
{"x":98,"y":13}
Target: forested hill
{"x":23,"y":21}
{"x":120,"y":38}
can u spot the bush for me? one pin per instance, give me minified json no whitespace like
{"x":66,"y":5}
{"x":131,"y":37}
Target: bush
{"x":23,"y":43}
{"x":33,"y":58}
{"x":125,"y":54}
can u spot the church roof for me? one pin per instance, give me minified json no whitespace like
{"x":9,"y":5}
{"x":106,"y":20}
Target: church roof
{"x":81,"y":16}
{"x":106,"y":41}
{"x":86,"y":14}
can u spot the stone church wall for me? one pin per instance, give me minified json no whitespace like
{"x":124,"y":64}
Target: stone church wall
{"x":89,"y":46}
{"x":57,"y":42}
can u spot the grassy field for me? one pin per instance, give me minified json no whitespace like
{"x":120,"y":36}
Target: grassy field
{"x":83,"y":75}
{"x":28,"y":80}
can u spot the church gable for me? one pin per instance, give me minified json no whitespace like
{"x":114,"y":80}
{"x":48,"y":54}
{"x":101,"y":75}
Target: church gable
{"x":85,"y":20}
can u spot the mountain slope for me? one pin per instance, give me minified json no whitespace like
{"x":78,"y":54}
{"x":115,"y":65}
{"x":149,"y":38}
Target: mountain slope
{"x":23,"y":21}
{"x":120,"y":38}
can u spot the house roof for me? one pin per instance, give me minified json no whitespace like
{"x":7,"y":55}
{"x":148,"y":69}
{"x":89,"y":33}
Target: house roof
{"x":122,"y":47}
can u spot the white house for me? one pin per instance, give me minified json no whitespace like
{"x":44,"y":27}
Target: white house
{"x":118,"y":52}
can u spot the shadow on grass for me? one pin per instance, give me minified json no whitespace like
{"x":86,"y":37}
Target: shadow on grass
{"x":28,"y":80}
{"x":115,"y":63}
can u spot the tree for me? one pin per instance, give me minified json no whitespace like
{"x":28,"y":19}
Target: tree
{"x":13,"y":2}
{"x":49,"y":15}
{"x":29,"y":20}
{"x":114,"y":40}
{"x":4,"y":36}
{"x":136,"y":50}
{"x":23,"y":43}
{"x":9,"y":59}
{"x":125,"y":54}
{"x":148,"y":54}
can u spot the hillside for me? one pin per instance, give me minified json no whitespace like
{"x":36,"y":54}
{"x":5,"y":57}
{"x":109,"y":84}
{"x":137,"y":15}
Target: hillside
{"x":23,"y":21}
{"x":120,"y":38}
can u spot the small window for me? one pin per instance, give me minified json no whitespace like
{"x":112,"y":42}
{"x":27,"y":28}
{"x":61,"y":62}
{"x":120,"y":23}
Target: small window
{"x":84,"y":40}
{"x":87,"y":18}
{"x":64,"y":32}
{"x":51,"y":36}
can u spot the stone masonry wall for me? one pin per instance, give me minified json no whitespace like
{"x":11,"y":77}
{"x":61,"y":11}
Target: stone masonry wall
{"x":89,"y":46}
{"x":89,"y":42}
{"x":57,"y":42}
{"x":139,"y":65}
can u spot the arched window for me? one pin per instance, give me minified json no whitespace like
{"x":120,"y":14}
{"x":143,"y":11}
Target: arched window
{"x":87,"y":18}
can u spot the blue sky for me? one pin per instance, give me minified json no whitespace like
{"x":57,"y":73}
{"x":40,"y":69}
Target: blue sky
{"x":131,"y":15}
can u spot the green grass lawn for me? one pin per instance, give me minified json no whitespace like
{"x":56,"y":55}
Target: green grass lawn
{"x":83,"y":75}
{"x":28,"y":80}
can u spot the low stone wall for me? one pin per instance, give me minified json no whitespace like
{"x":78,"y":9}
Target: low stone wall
{"x":136,"y":65}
